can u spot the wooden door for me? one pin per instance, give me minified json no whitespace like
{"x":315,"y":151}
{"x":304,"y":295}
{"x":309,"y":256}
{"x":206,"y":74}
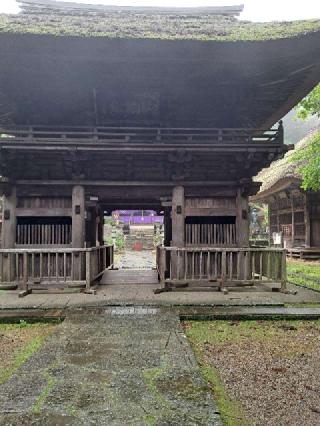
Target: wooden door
{"x":315,"y":232}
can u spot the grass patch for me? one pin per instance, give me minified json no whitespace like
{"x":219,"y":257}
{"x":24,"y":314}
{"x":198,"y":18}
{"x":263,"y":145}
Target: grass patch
{"x":36,"y":408}
{"x":150,"y":377}
{"x":231,"y":410}
{"x":304,"y":274}
{"x":18,"y":342}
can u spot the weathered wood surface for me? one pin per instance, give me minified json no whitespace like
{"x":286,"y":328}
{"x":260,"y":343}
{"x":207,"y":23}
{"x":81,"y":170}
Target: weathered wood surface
{"x":78,"y":216}
{"x":82,"y":135}
{"x":62,"y":267}
{"x":211,"y":234}
{"x":224,"y":266}
{"x":132,"y":276}
{"x":9,"y":220}
{"x":293,"y":212}
{"x":43,"y":235}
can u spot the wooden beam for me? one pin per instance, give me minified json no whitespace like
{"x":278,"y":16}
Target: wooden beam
{"x":64,"y":182}
{"x":43,"y":212}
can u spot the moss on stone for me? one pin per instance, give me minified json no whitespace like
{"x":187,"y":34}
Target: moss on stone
{"x":36,"y":408}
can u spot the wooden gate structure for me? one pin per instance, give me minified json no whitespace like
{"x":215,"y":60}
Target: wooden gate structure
{"x":95,"y":121}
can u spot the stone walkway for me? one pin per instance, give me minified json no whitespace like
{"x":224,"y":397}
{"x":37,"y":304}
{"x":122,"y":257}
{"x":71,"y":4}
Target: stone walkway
{"x":137,"y":294}
{"x":116,"y":366}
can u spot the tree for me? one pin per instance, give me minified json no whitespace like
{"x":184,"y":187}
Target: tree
{"x":310,"y":105}
{"x":308,"y":158}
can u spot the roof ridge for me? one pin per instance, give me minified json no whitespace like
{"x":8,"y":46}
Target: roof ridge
{"x":283,"y":167}
{"x":74,"y":6}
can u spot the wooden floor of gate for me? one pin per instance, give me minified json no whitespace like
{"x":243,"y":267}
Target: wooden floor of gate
{"x":130,"y":276}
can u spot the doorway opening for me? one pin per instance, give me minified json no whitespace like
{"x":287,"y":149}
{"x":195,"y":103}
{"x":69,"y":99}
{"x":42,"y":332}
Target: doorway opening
{"x":135,"y":235}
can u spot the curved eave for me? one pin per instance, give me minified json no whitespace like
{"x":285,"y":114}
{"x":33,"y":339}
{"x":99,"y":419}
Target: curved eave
{"x":281,"y":185}
{"x":187,"y":83}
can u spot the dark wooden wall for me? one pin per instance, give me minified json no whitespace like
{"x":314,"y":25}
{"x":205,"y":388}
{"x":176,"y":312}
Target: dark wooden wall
{"x":296,"y":214}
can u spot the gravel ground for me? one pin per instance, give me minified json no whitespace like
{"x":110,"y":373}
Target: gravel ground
{"x":271,"y":368}
{"x":130,"y":259}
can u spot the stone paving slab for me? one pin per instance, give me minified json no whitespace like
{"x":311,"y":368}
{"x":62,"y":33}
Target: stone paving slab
{"x":185,"y":312}
{"x":136,"y":294}
{"x":113,"y":366}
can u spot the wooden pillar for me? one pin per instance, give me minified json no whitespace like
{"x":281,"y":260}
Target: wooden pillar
{"x":307,"y":221}
{"x":167,"y":227}
{"x":278,"y":217}
{"x":178,"y":232}
{"x":100,"y":228}
{"x":9,"y":220}
{"x":9,"y":225}
{"x":269,"y":224}
{"x":178,"y":217}
{"x":78,"y":217}
{"x":242,"y":220}
{"x":292,"y":223}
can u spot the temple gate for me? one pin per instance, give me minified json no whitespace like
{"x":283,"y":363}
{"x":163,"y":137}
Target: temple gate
{"x":179,"y":126}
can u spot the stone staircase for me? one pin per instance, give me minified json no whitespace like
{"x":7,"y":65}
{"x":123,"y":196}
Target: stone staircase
{"x":140,"y":239}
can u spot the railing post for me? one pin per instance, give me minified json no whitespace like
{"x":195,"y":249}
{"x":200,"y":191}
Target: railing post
{"x":25,"y":271}
{"x":223,"y":269}
{"x":268,"y":264}
{"x":88,"y":269}
{"x":284,"y":271}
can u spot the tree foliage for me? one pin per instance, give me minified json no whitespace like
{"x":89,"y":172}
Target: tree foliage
{"x":310,"y":105}
{"x":308,"y":158}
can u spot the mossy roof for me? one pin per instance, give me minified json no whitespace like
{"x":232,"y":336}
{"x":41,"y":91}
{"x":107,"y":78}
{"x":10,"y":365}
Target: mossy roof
{"x":140,"y":24}
{"x":283,"y":169}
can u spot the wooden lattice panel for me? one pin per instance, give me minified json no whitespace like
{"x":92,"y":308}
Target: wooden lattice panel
{"x":286,"y":230}
{"x":211,"y":234}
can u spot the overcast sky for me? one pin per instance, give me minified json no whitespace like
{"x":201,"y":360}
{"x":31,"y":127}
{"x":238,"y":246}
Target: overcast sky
{"x":255,"y":10}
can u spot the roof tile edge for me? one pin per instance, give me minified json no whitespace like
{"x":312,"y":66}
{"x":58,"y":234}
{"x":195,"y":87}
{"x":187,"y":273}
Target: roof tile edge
{"x":73,"y":6}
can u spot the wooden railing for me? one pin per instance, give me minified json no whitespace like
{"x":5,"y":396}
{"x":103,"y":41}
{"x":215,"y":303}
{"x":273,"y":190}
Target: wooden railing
{"x":222,"y":267}
{"x":110,"y":135}
{"x":53,"y":268}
